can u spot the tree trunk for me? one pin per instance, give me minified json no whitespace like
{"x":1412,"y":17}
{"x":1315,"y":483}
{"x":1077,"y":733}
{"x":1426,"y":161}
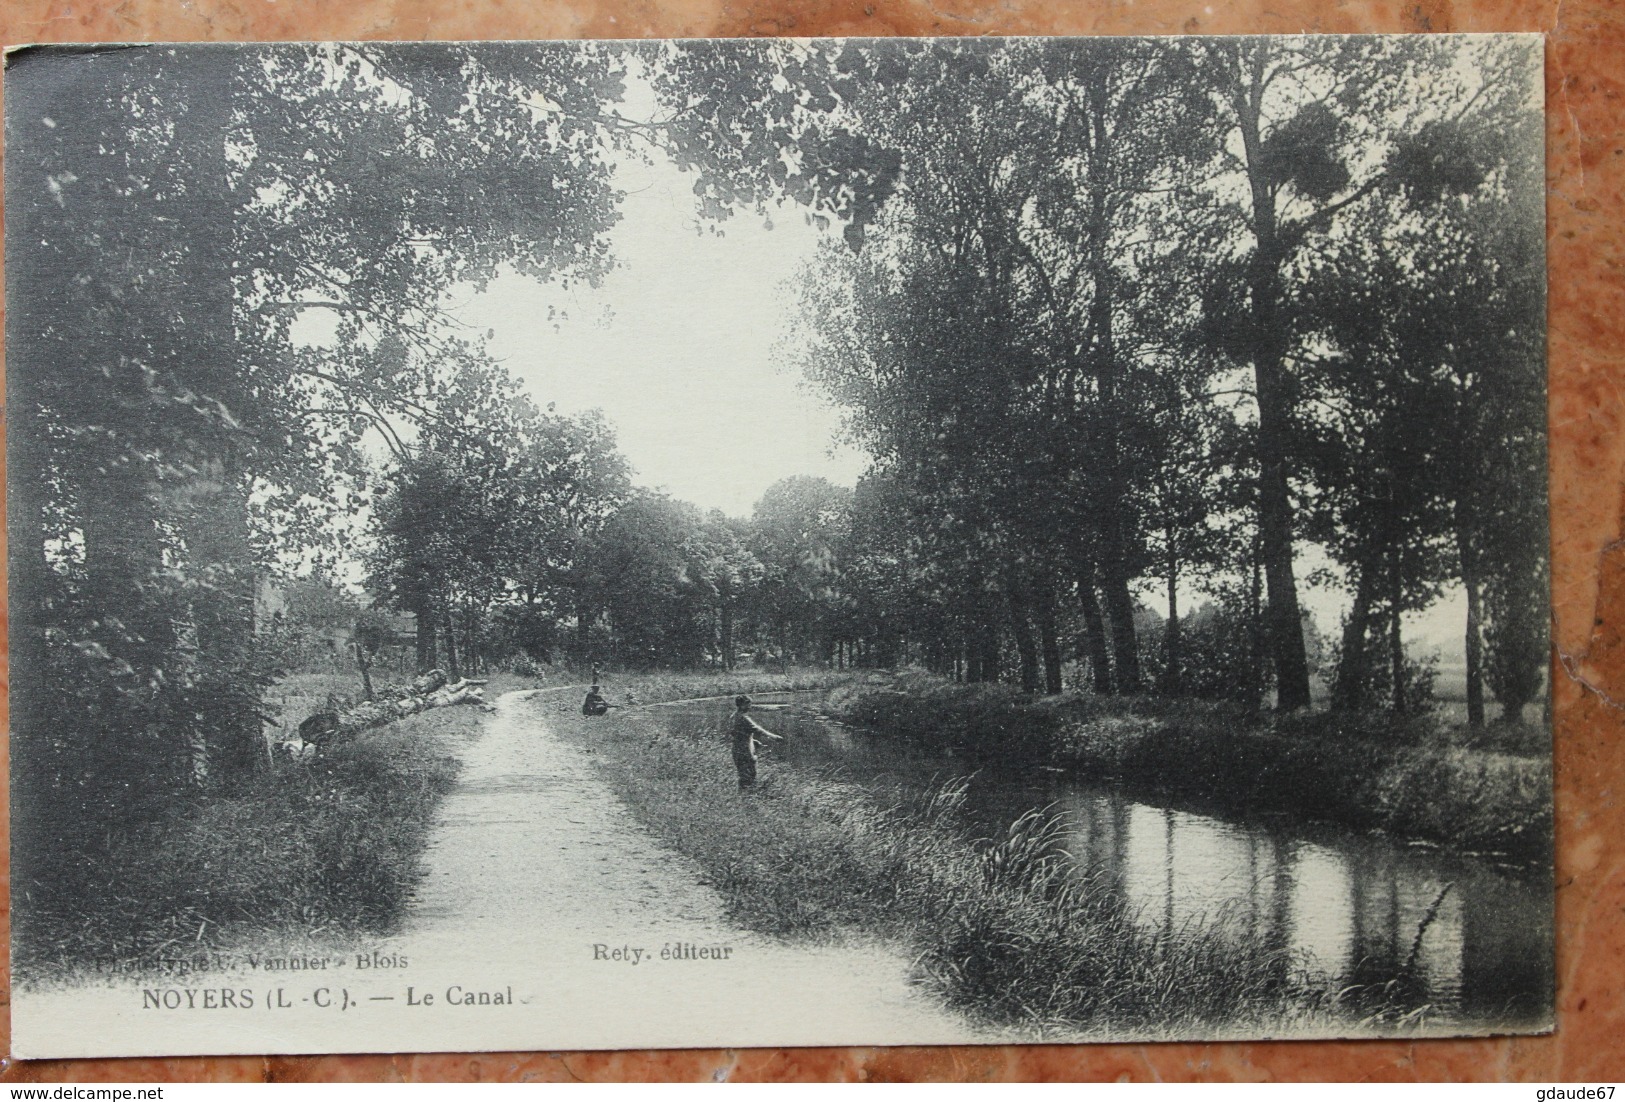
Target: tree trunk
{"x":219,"y":539}
{"x":218,"y":542}
{"x":984,"y":647}
{"x":1268,"y":341}
{"x":1048,"y":639}
{"x":1255,"y":621}
{"x":366,"y":670}
{"x":727,"y":630}
{"x":1125,"y":647}
{"x":453,"y":668}
{"x":584,"y":619}
{"x":1396,"y":645}
{"x":1094,"y":633}
{"x":1475,"y":630}
{"x":1170,"y":670}
{"x":1284,"y":613}
{"x":1022,"y":628}
{"x":1475,"y":655}
{"x":992,"y":664}
{"x":1102,"y":357}
{"x":425,"y":639}
{"x":471,"y":643}
{"x":1354,"y":660}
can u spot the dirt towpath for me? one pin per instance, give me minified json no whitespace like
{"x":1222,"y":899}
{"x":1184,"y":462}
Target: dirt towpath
{"x":538,"y":871}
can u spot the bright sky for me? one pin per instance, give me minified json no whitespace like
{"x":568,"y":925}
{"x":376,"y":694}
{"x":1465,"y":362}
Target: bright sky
{"x":677,"y":347}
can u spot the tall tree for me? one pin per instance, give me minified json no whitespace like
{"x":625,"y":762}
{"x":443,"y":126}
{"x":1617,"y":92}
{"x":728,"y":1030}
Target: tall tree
{"x":795,"y":532}
{"x":721,"y":564}
{"x":190,"y":204}
{"x":1424,"y":315}
{"x":659,"y":612}
{"x":573,"y":478}
{"x":1319,"y":132}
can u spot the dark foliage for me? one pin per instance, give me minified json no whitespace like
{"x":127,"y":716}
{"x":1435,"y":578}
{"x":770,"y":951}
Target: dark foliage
{"x":334,"y":846}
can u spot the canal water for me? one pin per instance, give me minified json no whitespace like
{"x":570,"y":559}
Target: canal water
{"x":1467,"y":937}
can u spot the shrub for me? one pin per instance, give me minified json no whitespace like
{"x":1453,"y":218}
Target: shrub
{"x":1217,"y":660}
{"x":1365,"y":769}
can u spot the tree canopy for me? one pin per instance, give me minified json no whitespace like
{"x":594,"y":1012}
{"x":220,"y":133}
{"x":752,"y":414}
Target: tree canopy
{"x":1118,"y":321}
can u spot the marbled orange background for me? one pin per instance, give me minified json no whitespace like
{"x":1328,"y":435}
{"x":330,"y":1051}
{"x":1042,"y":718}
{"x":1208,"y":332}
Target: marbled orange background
{"x":1586,"y":168}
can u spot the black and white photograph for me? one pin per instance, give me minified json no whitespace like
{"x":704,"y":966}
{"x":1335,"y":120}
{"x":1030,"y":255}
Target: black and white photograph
{"x":772,"y":542}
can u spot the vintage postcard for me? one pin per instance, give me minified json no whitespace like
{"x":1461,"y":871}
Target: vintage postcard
{"x":722,"y":543}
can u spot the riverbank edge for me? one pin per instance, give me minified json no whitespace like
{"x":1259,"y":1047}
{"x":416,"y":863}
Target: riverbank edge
{"x":1372,"y":773}
{"x":999,"y":929}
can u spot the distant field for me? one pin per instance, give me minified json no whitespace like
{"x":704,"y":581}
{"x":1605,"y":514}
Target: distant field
{"x":1449,"y":694}
{"x":1450,"y":691}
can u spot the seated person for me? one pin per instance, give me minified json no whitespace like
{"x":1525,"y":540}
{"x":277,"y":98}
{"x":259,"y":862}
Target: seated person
{"x":595,"y":704}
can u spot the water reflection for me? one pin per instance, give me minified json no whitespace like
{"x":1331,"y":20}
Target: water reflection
{"x":1465,"y":937}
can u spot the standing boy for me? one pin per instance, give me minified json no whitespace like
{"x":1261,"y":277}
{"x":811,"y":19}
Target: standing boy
{"x":744,"y":731}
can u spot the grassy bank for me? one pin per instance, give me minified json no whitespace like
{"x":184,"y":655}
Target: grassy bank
{"x":1003,"y":930}
{"x":1417,"y":778}
{"x":329,"y":848}
{"x":653,"y":688}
